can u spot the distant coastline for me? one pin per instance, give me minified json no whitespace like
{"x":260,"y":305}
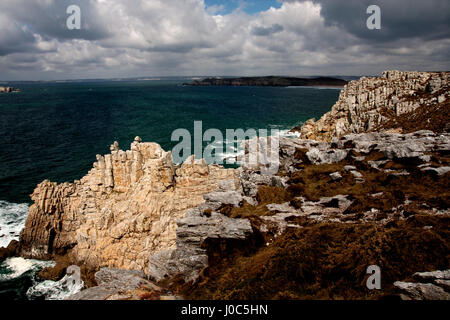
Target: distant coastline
{"x":270,"y":81}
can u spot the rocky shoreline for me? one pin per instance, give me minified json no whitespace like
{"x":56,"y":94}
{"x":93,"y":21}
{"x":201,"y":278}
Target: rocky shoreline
{"x":360,"y":187}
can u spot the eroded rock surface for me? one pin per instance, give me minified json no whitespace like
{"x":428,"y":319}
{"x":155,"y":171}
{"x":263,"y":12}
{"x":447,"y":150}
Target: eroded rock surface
{"x":433,"y":285}
{"x":366,"y":104}
{"x":201,"y":223}
{"x":115,"y":284}
{"x":126,"y":207}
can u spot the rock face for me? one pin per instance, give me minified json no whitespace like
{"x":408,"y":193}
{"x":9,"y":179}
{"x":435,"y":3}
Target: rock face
{"x":126,"y":207}
{"x":115,"y":284}
{"x":9,"y":251}
{"x":367,"y":103}
{"x":199,"y":224}
{"x":433,"y":285}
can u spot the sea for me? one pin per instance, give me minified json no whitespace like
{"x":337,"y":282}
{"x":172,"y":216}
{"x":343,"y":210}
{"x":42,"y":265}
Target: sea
{"x":54,"y":130}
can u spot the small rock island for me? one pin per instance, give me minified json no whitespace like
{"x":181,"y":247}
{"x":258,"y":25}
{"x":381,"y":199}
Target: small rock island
{"x":8,"y":89}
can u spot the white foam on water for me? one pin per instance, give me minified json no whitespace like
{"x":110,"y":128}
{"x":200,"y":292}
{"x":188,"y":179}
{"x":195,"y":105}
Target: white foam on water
{"x":17,"y":266}
{"x":55,"y":290}
{"x":288,"y":134}
{"x":50,"y":290}
{"x":12,"y":221}
{"x":231,"y":153}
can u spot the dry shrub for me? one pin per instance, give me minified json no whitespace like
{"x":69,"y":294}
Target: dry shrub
{"x":328,"y":261}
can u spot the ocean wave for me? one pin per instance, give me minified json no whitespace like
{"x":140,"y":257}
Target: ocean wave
{"x":233,"y":150}
{"x":17,"y":266}
{"x":55,"y":290}
{"x":12,"y":221}
{"x":20,"y":268}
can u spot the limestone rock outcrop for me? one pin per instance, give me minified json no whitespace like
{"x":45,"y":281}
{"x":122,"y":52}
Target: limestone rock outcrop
{"x":200,"y":223}
{"x":116,"y":284}
{"x":433,"y":285}
{"x":367,"y":103}
{"x":126,"y":207}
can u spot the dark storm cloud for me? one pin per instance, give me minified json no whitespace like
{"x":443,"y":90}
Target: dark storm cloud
{"x":429,"y":19}
{"x":265,"y":31}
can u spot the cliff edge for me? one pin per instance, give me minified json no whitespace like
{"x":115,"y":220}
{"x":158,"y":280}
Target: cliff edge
{"x":398,"y":101}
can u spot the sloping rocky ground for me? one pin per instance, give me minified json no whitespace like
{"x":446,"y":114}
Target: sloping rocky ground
{"x":116,"y":284}
{"x":333,"y":209}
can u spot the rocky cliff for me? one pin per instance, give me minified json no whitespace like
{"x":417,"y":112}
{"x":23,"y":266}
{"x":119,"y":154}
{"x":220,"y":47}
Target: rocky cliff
{"x":374,"y":104}
{"x":125,"y":208}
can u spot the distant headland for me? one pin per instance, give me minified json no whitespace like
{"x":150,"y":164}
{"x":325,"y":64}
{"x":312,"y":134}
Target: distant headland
{"x":270,"y":81}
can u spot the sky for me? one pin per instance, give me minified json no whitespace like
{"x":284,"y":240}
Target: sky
{"x":150,"y":38}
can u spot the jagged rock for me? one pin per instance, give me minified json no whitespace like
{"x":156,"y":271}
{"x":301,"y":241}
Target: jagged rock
{"x":9,"y":251}
{"x":443,"y":275}
{"x":317,"y":156}
{"x":422,"y":291}
{"x":94,"y":293}
{"x":228,"y":197}
{"x":124,"y":209}
{"x":358,"y":176}
{"x":365,"y":104}
{"x":445,"y":284}
{"x":437,"y":282}
{"x":189,"y":257}
{"x":439,"y":171}
{"x":122,"y":279}
{"x":284,"y":207}
{"x":115,"y":284}
{"x":336,"y":176}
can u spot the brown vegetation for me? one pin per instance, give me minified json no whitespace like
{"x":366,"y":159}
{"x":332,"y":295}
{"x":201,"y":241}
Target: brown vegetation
{"x":327,"y":261}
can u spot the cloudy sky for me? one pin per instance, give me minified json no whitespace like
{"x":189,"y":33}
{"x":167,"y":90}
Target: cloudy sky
{"x":137,"y":38}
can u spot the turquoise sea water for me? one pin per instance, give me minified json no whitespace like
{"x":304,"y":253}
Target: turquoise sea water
{"x":54,"y":131}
